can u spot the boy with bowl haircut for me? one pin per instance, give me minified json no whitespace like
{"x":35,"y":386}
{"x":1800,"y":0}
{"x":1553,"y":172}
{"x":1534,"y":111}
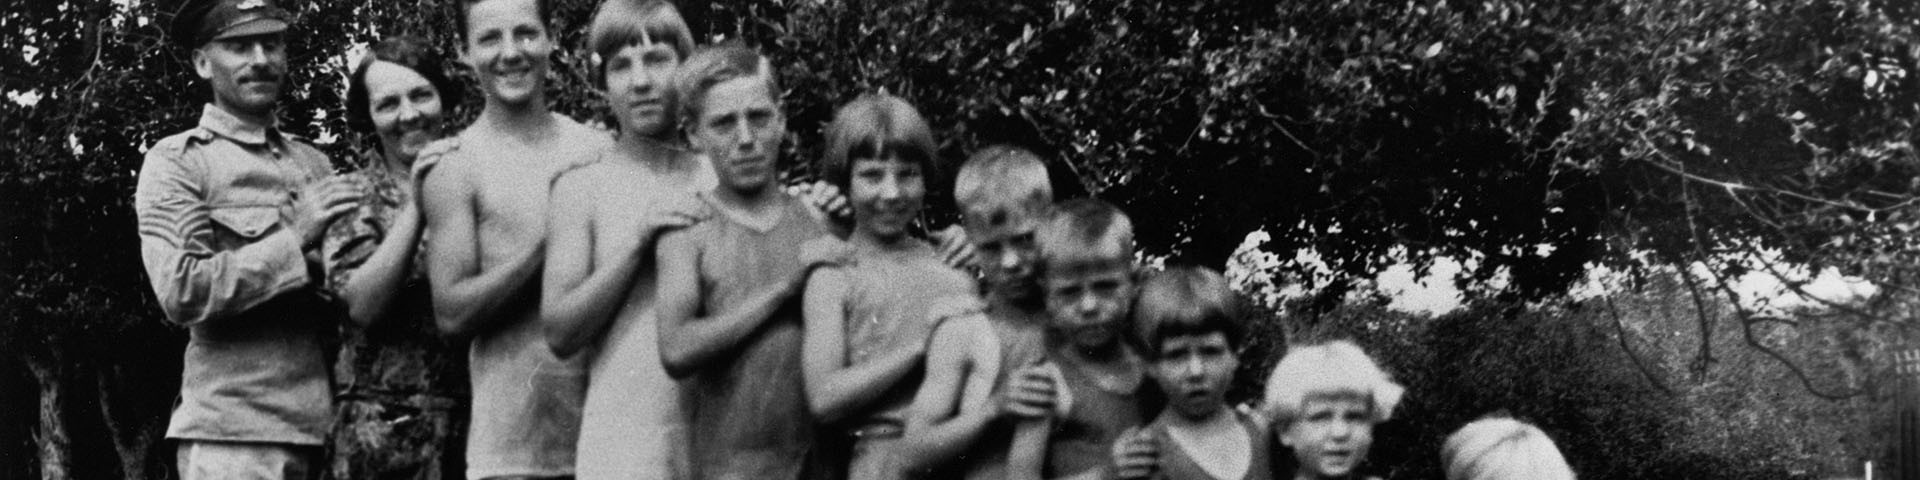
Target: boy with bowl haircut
{"x":728,"y":312}
{"x":1087,"y":277}
{"x":980,"y":368}
{"x":1188,"y":322}
{"x":600,"y":278}
{"x":1324,"y":400}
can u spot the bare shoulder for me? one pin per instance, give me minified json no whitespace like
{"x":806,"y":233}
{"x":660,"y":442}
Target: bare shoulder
{"x":581,"y":178}
{"x":449,"y":169}
{"x":683,"y":242}
{"x":583,"y":144}
{"x":967,"y":338}
{"x":951,"y":279}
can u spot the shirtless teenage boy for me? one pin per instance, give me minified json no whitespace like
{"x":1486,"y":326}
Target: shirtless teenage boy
{"x":485,"y":202}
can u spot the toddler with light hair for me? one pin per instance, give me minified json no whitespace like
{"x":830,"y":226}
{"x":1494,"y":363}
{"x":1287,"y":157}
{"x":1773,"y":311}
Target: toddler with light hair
{"x":1503,"y":449}
{"x":1325,"y":400}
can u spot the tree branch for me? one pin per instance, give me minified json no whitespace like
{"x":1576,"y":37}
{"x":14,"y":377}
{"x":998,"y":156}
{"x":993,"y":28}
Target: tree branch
{"x":1746,"y":326}
{"x":1620,"y":327}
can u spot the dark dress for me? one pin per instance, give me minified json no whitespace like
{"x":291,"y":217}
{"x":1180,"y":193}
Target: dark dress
{"x":400,"y":391}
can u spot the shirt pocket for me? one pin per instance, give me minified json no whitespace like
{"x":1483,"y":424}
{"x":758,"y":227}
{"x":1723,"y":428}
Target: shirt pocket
{"x":236,"y":226}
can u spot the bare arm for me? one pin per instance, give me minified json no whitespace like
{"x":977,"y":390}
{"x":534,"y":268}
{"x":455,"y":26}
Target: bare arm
{"x":954,"y":404}
{"x":464,"y":296}
{"x":689,"y":343}
{"x":369,"y":289}
{"x":835,"y":390}
{"x":1027,"y":457}
{"x":587,"y":275}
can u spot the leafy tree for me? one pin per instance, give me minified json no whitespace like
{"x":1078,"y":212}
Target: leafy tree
{"x":1536,"y":137}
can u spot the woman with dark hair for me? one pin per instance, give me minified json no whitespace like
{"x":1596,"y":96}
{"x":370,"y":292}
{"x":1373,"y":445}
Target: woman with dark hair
{"x":399,"y":387}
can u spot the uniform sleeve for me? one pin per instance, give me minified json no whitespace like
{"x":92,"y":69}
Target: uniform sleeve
{"x":193,"y":283}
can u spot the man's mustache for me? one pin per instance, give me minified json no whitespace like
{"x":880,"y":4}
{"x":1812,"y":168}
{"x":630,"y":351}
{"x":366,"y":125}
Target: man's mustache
{"x":261,"y":75}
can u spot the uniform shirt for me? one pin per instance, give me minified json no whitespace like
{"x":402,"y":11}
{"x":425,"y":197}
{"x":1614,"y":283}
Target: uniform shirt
{"x":212,"y":204}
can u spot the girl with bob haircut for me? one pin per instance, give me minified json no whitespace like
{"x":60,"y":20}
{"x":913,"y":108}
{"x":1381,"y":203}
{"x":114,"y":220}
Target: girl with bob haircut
{"x":867,"y":308}
{"x":1188,"y":323}
{"x":878,"y":126}
{"x":1324,"y":400}
{"x":1503,"y":449}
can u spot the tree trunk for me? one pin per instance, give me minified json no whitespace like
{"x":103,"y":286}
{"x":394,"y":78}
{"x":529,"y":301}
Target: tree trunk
{"x":133,"y":437}
{"x":56,"y":448}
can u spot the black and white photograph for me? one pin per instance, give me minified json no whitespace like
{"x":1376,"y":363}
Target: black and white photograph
{"x":960,"y":239}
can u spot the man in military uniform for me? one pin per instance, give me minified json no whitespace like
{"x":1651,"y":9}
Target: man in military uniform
{"x":231,"y":213}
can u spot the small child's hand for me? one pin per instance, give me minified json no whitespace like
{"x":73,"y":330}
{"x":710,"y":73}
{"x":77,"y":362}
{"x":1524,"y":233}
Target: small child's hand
{"x":1031,"y":392}
{"x":680,"y":212}
{"x":825,"y":197}
{"x":954,"y":248}
{"x":1136,"y":454}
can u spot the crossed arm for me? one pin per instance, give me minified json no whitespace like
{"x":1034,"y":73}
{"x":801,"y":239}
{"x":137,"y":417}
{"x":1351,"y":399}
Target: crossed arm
{"x":194,"y":284}
{"x":587,"y":275}
{"x":688,"y":341}
{"x":835,"y":390}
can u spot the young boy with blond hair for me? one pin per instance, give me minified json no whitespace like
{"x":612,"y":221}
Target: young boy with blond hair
{"x":1088,"y":280}
{"x":980,"y":373}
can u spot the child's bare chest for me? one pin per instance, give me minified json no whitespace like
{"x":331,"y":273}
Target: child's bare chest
{"x":510,"y":205}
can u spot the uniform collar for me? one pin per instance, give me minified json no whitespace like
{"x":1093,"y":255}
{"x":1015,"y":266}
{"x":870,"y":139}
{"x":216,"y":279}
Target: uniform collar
{"x":220,"y":122}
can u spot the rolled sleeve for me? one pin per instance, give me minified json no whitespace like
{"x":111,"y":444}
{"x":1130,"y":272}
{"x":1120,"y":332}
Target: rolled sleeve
{"x":193,"y":282}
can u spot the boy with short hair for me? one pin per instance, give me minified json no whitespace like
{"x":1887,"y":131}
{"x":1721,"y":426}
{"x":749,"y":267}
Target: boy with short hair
{"x":485,"y":203}
{"x":1324,"y":400}
{"x":1188,"y":322}
{"x":1087,"y":277}
{"x":600,"y":278}
{"x":980,"y":371}
{"x":728,"y":315}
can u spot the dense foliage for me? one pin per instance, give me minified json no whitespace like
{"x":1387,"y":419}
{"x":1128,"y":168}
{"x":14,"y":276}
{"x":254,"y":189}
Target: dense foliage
{"x":1536,"y":138}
